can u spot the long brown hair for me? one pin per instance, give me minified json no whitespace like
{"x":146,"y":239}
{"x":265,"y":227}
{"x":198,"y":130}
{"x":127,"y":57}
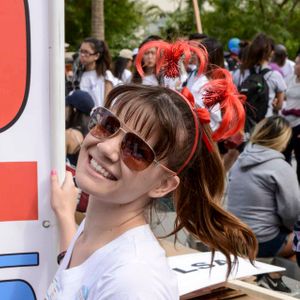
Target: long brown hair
{"x":259,"y":49}
{"x":197,"y":199}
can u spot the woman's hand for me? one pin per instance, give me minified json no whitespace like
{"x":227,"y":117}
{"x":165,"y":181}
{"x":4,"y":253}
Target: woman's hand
{"x":63,"y":197}
{"x":64,"y":202}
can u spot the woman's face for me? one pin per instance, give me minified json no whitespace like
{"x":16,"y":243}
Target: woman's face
{"x":150,"y":58}
{"x":88,"y":56}
{"x":101,"y":172}
{"x":129,"y":64}
{"x":297,"y":66}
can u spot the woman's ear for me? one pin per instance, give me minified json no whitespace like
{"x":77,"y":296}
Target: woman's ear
{"x":166,"y":186}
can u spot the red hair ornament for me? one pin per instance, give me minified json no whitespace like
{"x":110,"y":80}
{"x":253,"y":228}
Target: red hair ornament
{"x":221,"y":89}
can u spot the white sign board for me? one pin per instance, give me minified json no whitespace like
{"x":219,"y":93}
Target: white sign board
{"x":193,"y":270}
{"x":28,"y":245}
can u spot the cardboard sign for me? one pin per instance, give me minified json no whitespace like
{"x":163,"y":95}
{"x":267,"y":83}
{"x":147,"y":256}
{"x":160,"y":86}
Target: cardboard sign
{"x":194,"y":271}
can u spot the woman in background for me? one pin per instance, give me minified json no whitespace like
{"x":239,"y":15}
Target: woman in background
{"x":292,"y":113}
{"x":148,"y":65}
{"x":96,"y":77}
{"x":257,"y":60}
{"x":263,"y":190}
{"x":122,"y":66}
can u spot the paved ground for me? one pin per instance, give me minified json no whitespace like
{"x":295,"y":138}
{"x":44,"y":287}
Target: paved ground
{"x":294,"y":285}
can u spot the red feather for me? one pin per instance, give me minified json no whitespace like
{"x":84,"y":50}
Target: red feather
{"x":222,"y":90}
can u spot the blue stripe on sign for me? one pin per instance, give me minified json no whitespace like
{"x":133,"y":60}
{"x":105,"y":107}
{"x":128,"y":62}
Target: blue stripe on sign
{"x":19,"y":260}
{"x":16,"y":289}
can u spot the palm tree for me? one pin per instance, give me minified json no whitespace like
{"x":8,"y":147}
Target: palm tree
{"x":98,"y":19}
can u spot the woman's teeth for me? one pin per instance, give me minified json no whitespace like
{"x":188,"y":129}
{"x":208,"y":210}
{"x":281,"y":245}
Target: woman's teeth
{"x":101,"y":170}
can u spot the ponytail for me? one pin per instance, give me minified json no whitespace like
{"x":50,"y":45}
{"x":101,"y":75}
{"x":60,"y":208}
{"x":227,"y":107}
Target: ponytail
{"x":199,"y":210}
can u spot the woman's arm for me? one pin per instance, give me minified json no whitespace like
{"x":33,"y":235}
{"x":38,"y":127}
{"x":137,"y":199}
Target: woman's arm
{"x":287,"y":196}
{"x":63,"y":203}
{"x":278,"y":101}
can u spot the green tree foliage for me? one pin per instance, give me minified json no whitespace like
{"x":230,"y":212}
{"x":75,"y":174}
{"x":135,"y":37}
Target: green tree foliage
{"x":77,"y":21}
{"x":122,"y":19}
{"x":277,"y":18}
{"x":222,"y":19}
{"x":225,"y":19}
{"x":180,"y":23}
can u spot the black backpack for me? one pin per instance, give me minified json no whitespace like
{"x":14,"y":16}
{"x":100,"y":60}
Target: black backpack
{"x":256,"y":89}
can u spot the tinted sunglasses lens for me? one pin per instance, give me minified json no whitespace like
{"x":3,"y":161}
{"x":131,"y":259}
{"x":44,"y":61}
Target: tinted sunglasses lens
{"x":136,"y":153}
{"x":103,"y":123}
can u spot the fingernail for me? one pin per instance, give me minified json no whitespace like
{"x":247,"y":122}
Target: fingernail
{"x":53,"y":172}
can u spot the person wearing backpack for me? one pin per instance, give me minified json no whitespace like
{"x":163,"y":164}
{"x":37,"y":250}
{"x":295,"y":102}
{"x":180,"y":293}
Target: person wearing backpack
{"x":263,"y":87}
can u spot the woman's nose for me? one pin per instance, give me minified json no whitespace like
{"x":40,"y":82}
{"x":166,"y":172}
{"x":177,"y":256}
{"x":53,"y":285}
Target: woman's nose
{"x":110,"y":148}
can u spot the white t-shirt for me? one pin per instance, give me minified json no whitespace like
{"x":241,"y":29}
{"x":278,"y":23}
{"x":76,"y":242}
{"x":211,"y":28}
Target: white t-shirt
{"x":150,"y":80}
{"x":94,"y":85}
{"x":288,"y":70}
{"x":126,"y":76}
{"x":133,"y":266}
{"x":293,"y":100}
{"x":274,"y":80}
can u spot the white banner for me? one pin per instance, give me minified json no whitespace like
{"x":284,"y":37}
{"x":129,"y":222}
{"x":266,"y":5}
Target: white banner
{"x":194,"y":271}
{"x":28,"y":245}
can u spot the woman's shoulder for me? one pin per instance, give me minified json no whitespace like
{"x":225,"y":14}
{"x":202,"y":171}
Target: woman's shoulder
{"x":111,"y":78}
{"x":74,"y":138}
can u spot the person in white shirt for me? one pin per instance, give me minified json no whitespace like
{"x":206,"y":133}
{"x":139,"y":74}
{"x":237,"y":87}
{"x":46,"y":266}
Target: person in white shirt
{"x":280,"y":58}
{"x":292,"y":113}
{"x":122,"y":66}
{"x":257,"y":58}
{"x":145,"y":143}
{"x":148,"y":65}
{"x":96,"y":78}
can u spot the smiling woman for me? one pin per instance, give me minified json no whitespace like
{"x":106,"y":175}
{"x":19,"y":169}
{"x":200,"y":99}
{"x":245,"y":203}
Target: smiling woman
{"x":147,"y":142}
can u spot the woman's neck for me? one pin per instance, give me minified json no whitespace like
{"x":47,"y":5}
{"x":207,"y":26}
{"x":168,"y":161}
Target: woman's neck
{"x":263,"y":62}
{"x":105,"y":222}
{"x":90,"y":66}
{"x":149,"y":71}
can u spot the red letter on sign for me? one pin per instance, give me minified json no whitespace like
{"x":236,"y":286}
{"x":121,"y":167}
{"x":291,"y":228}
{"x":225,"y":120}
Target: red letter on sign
{"x":18,"y":191}
{"x":14,"y":60}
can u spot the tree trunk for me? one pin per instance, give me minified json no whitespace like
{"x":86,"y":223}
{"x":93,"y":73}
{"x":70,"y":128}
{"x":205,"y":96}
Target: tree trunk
{"x":98,"y":19}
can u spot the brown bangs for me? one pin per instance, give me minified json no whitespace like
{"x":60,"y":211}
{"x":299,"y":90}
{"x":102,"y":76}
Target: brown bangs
{"x":141,"y":120}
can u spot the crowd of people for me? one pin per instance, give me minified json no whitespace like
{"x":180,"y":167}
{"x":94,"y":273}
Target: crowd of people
{"x":174,"y":119}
